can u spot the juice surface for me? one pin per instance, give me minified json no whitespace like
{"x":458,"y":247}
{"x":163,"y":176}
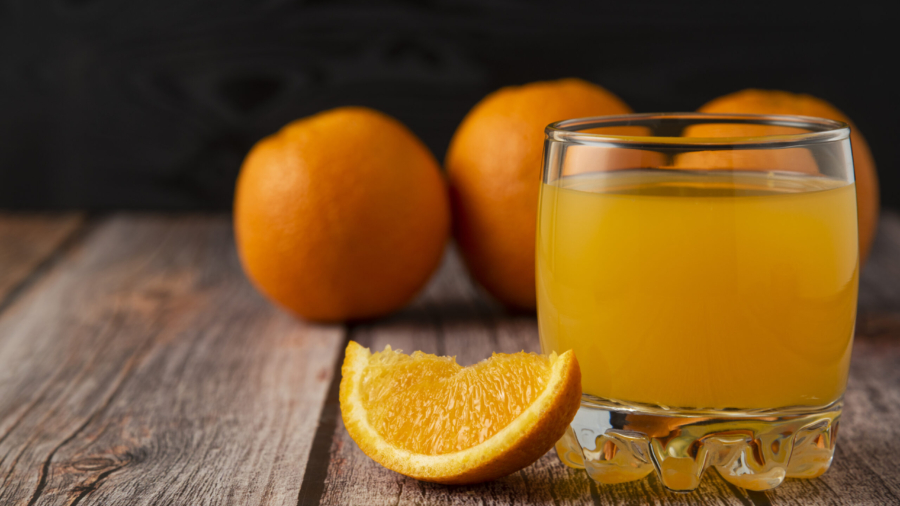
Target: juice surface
{"x":722,"y":290}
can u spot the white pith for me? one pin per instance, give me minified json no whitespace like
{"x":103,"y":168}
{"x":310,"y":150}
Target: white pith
{"x":453,"y":463}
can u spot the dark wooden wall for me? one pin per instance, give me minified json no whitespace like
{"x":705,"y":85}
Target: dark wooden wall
{"x":117,"y":104}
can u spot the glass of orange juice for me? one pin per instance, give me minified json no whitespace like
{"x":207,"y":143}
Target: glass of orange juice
{"x":704,"y":269}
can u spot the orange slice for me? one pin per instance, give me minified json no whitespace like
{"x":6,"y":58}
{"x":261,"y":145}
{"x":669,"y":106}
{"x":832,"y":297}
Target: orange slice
{"x":429,"y":418}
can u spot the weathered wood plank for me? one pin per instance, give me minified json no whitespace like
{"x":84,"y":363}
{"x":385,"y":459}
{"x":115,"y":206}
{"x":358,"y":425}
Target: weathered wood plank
{"x":143,"y":369}
{"x":866,"y":467}
{"x":146,"y":370}
{"x":27,"y":241}
{"x":454,"y":318}
{"x":449,"y":318}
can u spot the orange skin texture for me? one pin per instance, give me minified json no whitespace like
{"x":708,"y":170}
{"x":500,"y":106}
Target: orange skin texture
{"x":494,"y":168}
{"x":530,"y":441}
{"x":754,"y":101}
{"x":342,"y":215}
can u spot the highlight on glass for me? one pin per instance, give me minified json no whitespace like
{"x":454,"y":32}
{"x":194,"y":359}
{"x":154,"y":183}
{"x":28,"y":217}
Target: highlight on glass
{"x":704,"y":268}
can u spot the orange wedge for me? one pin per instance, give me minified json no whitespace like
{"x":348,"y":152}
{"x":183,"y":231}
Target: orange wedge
{"x":429,"y":418}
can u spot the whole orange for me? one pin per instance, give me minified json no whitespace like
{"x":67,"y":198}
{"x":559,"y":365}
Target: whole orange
{"x":341,"y":215}
{"x":781,"y":102}
{"x":494,"y":168}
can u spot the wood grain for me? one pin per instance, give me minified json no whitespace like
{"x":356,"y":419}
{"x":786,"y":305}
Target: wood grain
{"x":139,"y":367}
{"x":28,"y":241}
{"x":454,"y":318}
{"x":145,"y":370}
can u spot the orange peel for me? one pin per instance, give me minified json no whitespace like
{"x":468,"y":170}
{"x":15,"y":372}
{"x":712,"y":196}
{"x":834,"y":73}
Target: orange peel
{"x":427,"y":381}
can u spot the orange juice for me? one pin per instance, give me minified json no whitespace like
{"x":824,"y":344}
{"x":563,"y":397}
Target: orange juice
{"x":705,"y":290}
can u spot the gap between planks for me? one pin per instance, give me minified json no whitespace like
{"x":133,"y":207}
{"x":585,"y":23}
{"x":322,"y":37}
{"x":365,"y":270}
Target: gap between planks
{"x":143,"y":369}
{"x":453,"y":318}
{"x":30,"y":244}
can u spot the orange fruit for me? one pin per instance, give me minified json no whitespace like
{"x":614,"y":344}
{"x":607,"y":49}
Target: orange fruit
{"x":427,"y":417}
{"x":798,"y":160}
{"x":781,"y":102}
{"x":494,"y":168}
{"x":341,"y":215}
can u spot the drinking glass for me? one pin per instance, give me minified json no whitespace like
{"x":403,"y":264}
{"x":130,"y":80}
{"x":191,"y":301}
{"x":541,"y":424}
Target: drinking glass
{"x":704,"y":269}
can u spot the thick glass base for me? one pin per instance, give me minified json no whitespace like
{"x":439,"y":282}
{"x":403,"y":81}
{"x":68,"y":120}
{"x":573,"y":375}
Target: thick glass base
{"x":755,"y":450}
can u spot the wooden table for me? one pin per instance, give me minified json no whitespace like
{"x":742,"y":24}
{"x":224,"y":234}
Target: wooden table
{"x":138,"y":366}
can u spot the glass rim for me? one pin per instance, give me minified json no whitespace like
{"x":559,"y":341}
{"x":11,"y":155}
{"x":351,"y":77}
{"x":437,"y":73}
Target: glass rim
{"x":822,"y":130}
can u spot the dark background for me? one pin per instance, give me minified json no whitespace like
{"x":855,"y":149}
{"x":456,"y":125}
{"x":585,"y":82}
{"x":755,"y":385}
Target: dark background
{"x":153,"y":105}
